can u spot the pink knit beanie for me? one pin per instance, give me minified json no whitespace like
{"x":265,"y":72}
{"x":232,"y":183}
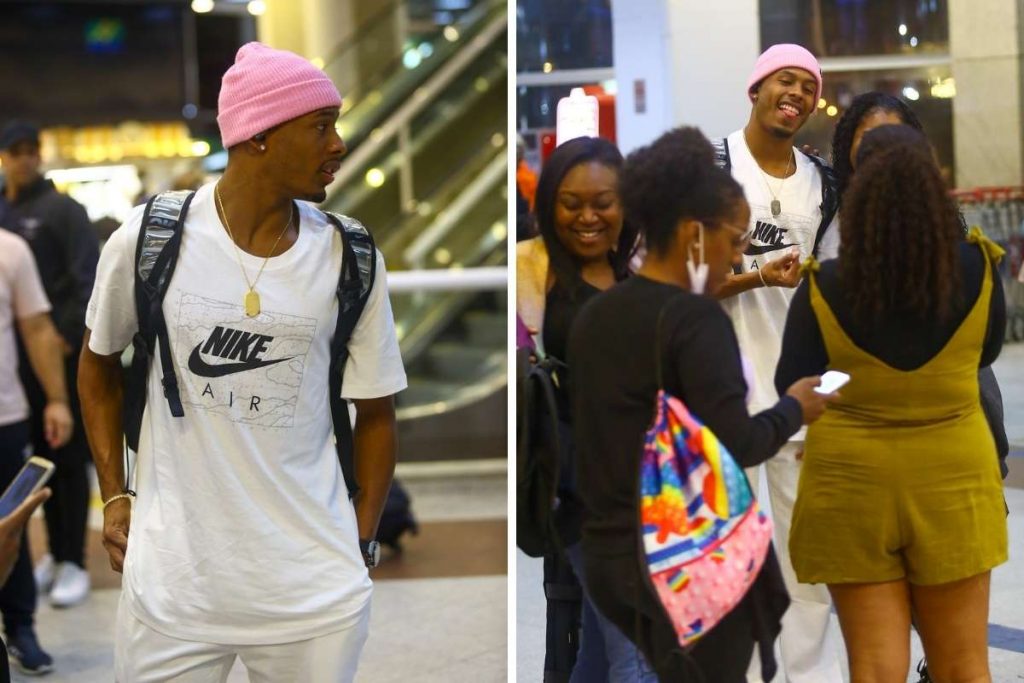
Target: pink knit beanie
{"x":265,"y":87}
{"x":779,"y":57}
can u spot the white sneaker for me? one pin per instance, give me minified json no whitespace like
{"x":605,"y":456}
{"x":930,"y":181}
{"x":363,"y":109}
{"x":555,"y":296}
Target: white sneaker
{"x":71,"y":585}
{"x":44,"y":572}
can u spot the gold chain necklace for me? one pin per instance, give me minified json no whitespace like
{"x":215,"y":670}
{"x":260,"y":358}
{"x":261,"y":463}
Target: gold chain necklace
{"x":252,"y":299}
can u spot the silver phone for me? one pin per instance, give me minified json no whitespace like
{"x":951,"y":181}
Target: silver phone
{"x":32,"y":477}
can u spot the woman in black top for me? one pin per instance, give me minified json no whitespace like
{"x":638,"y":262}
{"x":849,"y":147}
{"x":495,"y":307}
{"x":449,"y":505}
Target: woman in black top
{"x":679,"y":198}
{"x":898,"y":340}
{"x":903,"y":513}
{"x":583,"y":248}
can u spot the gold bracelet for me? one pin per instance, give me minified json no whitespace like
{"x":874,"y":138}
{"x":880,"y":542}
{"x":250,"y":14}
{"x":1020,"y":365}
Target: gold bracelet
{"x":126,"y":494}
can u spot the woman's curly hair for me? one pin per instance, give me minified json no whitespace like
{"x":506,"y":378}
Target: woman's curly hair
{"x":842,"y":138}
{"x":900,"y":234}
{"x":674,"y":178}
{"x":566,"y":157}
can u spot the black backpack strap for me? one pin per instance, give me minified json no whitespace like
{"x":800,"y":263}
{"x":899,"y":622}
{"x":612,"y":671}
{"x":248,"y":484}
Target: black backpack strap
{"x":156,"y":255}
{"x":724,"y":162}
{"x":829,"y":198}
{"x":722,"y":158}
{"x":358,"y":270}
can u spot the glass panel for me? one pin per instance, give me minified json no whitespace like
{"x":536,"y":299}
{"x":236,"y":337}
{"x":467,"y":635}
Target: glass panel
{"x":396,"y":52}
{"x":450,"y":141}
{"x":931,"y":88}
{"x":537,"y":105}
{"x":465,"y":362}
{"x":563,"y":34}
{"x":835,"y":28}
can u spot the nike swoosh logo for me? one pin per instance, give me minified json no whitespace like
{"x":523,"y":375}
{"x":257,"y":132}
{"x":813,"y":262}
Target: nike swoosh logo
{"x":200,"y":367}
{"x":758,"y":249}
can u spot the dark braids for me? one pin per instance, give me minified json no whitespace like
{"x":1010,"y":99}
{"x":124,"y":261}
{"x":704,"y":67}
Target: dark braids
{"x":842,"y":139}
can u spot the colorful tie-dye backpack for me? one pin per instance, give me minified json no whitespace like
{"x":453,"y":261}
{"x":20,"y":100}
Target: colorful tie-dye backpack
{"x":704,"y":536}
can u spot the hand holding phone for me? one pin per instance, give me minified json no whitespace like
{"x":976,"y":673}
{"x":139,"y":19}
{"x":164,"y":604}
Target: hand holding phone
{"x":17,"y":504}
{"x":32,"y":476}
{"x":832,"y":381}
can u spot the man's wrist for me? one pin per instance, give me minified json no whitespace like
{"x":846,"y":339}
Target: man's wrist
{"x":760,"y":275}
{"x":57,"y":399}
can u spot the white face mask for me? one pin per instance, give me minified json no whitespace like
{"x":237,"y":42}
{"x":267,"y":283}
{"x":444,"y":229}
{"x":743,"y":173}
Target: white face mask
{"x":698,"y":272}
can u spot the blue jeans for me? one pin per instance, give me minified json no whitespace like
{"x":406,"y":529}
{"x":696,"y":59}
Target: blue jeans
{"x":605,"y":654}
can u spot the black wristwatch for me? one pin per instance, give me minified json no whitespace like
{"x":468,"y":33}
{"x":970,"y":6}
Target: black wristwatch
{"x":370,"y":551}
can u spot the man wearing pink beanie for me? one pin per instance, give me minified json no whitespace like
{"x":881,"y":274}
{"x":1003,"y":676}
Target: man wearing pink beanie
{"x":244,"y":543}
{"x":792,"y":199}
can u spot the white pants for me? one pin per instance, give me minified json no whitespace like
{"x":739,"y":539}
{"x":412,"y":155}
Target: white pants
{"x":142,"y":655}
{"x":808,"y":641}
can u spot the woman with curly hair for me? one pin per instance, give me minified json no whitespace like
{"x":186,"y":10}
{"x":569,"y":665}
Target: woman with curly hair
{"x":693,"y":215}
{"x":583,"y":248}
{"x":867,"y":111}
{"x":900,"y":507}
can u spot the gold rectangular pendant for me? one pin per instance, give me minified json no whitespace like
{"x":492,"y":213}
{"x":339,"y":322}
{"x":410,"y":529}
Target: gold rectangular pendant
{"x":252,"y":303}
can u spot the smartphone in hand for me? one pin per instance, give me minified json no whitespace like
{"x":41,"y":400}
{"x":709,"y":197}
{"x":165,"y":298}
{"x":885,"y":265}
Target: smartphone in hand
{"x":831,"y":381}
{"x":32,"y":477}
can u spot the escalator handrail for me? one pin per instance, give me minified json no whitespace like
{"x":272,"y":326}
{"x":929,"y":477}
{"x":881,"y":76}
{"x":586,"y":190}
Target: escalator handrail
{"x":465,"y":396}
{"x":389,"y":66}
{"x":420,"y":100}
{"x":494,"y":172}
{"x":423,"y":136}
{"x":480,"y":279}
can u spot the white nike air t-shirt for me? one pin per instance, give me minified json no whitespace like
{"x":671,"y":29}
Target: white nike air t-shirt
{"x":242,"y":531}
{"x":759,"y":315}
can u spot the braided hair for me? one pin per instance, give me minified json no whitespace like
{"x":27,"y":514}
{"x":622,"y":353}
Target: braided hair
{"x":900,"y":234}
{"x":842,"y":140}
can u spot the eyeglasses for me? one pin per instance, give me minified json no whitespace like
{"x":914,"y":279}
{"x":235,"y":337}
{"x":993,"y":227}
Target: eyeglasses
{"x":741,"y":236}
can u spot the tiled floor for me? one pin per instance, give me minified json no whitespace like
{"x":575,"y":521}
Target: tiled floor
{"x":1006,"y":631}
{"x":439,"y":611}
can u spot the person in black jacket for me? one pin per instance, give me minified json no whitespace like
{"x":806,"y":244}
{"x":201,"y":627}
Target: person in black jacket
{"x":690,"y":212}
{"x":66,"y":250}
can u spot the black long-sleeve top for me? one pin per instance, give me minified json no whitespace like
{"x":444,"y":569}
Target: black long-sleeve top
{"x":65,"y":247}
{"x":614,"y":384}
{"x":898,"y":340}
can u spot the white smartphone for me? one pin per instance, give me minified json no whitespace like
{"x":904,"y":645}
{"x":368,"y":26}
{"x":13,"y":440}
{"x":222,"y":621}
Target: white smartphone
{"x":36,"y":472}
{"x":833,"y":380}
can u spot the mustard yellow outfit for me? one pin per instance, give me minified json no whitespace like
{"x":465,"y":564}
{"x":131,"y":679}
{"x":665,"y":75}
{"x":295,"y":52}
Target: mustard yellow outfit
{"x":900,"y":476}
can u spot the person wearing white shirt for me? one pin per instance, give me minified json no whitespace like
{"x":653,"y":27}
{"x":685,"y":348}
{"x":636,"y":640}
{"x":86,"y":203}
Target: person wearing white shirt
{"x":784,"y":188}
{"x":242,"y":541}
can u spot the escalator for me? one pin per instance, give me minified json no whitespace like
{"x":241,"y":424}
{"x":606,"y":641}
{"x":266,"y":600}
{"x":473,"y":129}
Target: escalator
{"x":427,"y":175}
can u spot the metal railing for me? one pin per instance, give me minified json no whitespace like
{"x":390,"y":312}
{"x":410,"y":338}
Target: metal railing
{"x":496,"y":170}
{"x":492,"y":278}
{"x":487,"y":278}
{"x":397,"y":127}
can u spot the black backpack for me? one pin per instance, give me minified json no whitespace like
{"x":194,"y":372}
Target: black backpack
{"x":539,"y":455}
{"x":829,"y":186}
{"x":156,"y":255}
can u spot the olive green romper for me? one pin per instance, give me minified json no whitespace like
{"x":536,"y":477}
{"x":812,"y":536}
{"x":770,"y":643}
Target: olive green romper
{"x":900,"y":476}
